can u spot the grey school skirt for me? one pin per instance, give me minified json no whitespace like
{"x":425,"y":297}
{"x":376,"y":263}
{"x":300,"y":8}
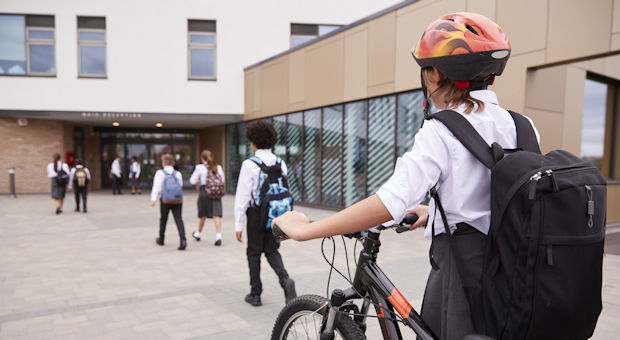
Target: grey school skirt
{"x":58,"y":191}
{"x":445,"y":308}
{"x":208,"y":207}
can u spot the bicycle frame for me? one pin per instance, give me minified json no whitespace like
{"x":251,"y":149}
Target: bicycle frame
{"x":371,"y":281}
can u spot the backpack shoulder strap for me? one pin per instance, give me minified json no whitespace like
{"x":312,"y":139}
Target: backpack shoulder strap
{"x":259,"y":162}
{"x":467,"y":135}
{"x":526,"y":137}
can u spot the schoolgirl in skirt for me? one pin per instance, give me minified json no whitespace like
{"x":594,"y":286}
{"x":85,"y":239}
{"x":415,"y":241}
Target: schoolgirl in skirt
{"x":54,"y":169}
{"x":207,"y":207}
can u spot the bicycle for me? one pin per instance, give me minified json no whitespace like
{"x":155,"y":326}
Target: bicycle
{"x":315,"y":317}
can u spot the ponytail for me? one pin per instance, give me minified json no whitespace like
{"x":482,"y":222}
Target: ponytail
{"x":56,"y":165}
{"x":207,"y":156}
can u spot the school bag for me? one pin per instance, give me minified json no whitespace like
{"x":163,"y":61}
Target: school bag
{"x":214,"y":187}
{"x":172,"y":189}
{"x":80,"y":179}
{"x":272,"y":197}
{"x":62,"y":178}
{"x":542,"y":267}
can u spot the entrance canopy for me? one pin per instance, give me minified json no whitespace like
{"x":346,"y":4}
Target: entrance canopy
{"x":131,"y":119}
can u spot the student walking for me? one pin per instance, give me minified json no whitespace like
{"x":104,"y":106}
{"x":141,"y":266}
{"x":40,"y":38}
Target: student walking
{"x":460,"y":54}
{"x":210,"y":175}
{"x":168,"y":183}
{"x":117,"y":174}
{"x":79,"y":180}
{"x":262,"y":137}
{"x":58,"y":171}
{"x":134,"y":175}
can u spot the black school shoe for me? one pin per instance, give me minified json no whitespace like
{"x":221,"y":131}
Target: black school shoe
{"x":288,"y":285}
{"x":159,"y":241}
{"x":218,"y":242}
{"x":183,"y":245}
{"x":254,"y":300}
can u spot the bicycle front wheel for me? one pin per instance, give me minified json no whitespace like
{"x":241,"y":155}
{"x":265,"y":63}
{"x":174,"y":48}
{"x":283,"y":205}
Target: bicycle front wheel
{"x":301,"y":319}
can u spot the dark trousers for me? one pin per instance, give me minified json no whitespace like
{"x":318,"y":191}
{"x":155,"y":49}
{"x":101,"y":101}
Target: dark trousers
{"x":80,"y":191}
{"x":445,"y":308}
{"x":116,"y":185}
{"x":261,"y":240}
{"x":176,"y":213}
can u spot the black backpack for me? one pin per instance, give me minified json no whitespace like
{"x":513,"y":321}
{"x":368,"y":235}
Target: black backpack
{"x":62,"y":178}
{"x":542,"y":268}
{"x":273,"y":197}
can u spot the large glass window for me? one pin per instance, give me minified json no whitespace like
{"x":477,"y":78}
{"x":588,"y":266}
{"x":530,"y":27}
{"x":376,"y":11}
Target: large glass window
{"x":331,"y":157}
{"x":279,"y":124}
{"x":302,"y":33}
{"x":381,"y":137}
{"x":92,"y":46}
{"x":354,"y":153}
{"x":40,"y":45}
{"x":312,"y":156}
{"x":294,"y":147}
{"x":12,"y":44}
{"x":409,"y":116}
{"x":201,"y":49}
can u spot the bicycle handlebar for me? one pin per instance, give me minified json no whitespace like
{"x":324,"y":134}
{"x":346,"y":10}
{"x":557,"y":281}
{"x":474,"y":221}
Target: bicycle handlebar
{"x":402,"y":227}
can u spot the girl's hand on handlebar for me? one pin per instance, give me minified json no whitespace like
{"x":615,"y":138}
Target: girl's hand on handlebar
{"x":292,"y":223}
{"x":422,"y":212}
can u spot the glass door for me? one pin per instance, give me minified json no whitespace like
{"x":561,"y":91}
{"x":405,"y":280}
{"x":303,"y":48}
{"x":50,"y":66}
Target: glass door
{"x":184,"y":158}
{"x":140,"y":151}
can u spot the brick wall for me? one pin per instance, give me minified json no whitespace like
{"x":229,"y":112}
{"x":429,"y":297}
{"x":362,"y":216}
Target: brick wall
{"x":29,"y":149}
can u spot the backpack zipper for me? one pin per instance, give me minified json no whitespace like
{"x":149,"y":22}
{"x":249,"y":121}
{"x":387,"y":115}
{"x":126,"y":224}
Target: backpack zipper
{"x":533,"y":181}
{"x":549,"y":173}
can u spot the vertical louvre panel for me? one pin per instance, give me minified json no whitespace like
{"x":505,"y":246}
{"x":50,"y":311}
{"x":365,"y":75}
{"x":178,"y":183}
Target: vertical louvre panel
{"x":294,"y":131}
{"x":409,"y":117}
{"x":312,"y":156}
{"x":279,"y":123}
{"x":331,"y":169}
{"x":354,"y":153}
{"x":381,"y":135}
{"x":233,"y":163}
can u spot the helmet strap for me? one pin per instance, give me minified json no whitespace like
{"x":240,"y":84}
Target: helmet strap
{"x":427,"y":107}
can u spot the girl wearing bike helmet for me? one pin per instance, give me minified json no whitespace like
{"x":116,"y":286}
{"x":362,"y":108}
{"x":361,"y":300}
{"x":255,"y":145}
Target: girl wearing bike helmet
{"x":460,"y":54}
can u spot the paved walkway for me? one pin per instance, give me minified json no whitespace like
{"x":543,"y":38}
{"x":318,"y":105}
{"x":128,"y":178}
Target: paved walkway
{"x":101,"y":276}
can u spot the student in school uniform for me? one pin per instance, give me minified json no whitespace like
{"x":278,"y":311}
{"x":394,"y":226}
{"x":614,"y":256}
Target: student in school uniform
{"x":117,"y":174}
{"x":134,"y":175}
{"x":58,"y":171}
{"x":208,"y":207}
{"x":168,"y":187}
{"x":78,"y":180}
{"x":262,"y":137}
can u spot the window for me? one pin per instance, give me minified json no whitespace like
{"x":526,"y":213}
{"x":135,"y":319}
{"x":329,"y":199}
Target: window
{"x":201,"y":49}
{"x":92,"y":47}
{"x":27,"y":45}
{"x":600,"y":126}
{"x":302,"y":33}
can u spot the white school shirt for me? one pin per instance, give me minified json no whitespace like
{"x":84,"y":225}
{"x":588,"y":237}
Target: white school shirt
{"x":73,"y":174}
{"x":437,"y":157}
{"x":248,"y":182}
{"x":158,"y":181}
{"x":200,"y":174}
{"x":51,"y":169}
{"x":116,"y":168}
{"x":134,"y":168}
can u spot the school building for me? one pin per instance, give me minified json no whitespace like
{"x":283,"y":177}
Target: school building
{"x":97,"y":79}
{"x":356,"y":92}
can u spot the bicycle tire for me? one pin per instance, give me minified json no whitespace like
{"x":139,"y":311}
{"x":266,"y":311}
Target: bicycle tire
{"x":305,"y":305}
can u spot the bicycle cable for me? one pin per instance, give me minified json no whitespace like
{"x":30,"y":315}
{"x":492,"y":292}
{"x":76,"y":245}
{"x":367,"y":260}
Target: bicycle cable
{"x":398,"y":318}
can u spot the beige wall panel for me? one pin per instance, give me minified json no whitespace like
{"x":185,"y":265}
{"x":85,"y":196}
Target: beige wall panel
{"x":569,"y":40}
{"x":573,"y":109}
{"x":256,"y":108}
{"x":296,"y":107}
{"x":616,"y":17}
{"x":324,"y":73}
{"x":525,"y":24}
{"x":484,"y":7}
{"x":296,"y":77}
{"x":248,"y":88}
{"x":356,"y":65}
{"x":411,"y":21}
{"x":274,"y":85}
{"x":549,"y":126}
{"x":510,"y":86}
{"x":615,"y":42}
{"x":381,"y":43}
{"x":379,"y":90}
{"x":545,"y":88}
{"x":613,"y":203}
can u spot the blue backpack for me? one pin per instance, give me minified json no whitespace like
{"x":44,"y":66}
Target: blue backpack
{"x":172,"y":191}
{"x":272,"y":197}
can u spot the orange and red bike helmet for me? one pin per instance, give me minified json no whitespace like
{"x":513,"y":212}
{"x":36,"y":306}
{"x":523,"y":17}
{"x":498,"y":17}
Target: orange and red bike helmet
{"x":463,"y":46}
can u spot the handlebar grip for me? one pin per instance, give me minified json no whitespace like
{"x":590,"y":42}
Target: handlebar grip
{"x":410,"y":219}
{"x":402,"y":229}
{"x":278,"y":233}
